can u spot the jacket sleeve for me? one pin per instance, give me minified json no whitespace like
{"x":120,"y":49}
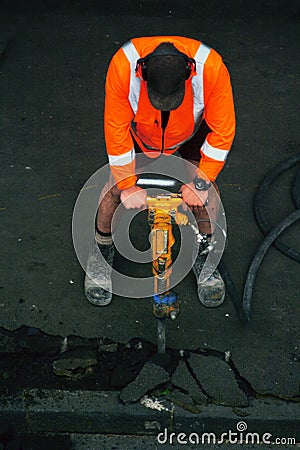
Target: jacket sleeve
{"x":220,"y":117}
{"x":117,"y":119}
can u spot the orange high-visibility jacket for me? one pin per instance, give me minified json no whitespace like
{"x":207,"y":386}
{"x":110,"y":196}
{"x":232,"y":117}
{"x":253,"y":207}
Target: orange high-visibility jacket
{"x":128,"y":111}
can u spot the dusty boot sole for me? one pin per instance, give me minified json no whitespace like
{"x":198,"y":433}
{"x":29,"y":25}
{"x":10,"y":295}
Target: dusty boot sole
{"x":97,"y":282}
{"x":98,"y":296}
{"x":211,"y":293}
{"x":211,"y":297}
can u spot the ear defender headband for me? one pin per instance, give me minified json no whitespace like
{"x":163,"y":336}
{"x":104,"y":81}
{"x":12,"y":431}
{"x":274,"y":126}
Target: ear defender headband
{"x":141,"y":64}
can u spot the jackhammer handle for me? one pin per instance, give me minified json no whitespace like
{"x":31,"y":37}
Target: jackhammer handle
{"x":167,"y":183}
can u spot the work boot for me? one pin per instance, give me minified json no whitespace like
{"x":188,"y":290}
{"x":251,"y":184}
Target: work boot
{"x":97,"y":283}
{"x":211,"y":291}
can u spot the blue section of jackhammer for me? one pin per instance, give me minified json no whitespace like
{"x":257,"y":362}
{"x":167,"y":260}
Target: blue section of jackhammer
{"x":165,"y":299}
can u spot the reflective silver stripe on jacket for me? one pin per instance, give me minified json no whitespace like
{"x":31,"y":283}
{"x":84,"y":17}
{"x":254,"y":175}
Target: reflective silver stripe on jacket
{"x":121,"y":160}
{"x":213,"y":152}
{"x":135,"y":82}
{"x":198,"y":83}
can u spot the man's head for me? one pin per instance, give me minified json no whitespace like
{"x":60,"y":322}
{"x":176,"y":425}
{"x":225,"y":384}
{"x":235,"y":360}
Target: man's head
{"x":165,"y":71}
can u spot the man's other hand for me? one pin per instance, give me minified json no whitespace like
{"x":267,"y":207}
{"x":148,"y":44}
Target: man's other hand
{"x":134,"y":198}
{"x":192,"y":197}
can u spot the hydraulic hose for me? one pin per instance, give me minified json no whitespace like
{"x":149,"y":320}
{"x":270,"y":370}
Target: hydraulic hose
{"x":258,"y":202}
{"x":243,"y":308}
{"x":272,"y":236}
{"x":256,"y":262}
{"x":233,"y":292}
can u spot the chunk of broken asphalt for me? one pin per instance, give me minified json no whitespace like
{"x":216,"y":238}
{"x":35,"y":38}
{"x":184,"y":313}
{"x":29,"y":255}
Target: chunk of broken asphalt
{"x":150,"y":376}
{"x":73,"y":360}
{"x":178,"y":398}
{"x":217,"y":380}
{"x":183,"y":379}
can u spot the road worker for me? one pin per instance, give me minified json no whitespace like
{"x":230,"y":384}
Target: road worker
{"x":170,"y":95}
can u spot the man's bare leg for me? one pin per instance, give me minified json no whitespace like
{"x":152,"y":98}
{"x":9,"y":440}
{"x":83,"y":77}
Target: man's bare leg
{"x":108,"y":203}
{"x":97,"y":284}
{"x":210,"y":212}
{"x":211,"y":292}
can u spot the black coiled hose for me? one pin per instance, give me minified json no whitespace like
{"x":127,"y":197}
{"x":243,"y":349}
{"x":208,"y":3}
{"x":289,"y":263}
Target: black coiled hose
{"x":256,"y":262}
{"x":272,"y":236}
{"x":243,"y":309}
{"x":258,"y":202}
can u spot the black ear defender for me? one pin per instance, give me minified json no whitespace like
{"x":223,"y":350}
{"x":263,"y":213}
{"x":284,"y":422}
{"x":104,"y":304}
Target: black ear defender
{"x":141,"y":64}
